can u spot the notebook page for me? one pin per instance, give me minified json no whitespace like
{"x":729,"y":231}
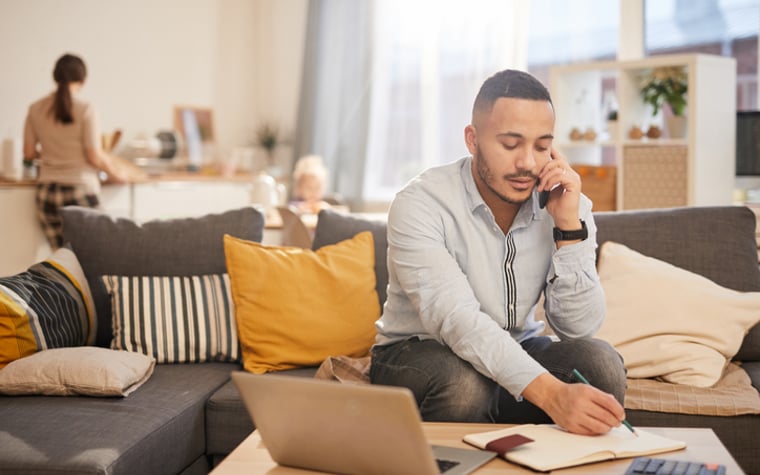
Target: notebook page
{"x":554,"y":447}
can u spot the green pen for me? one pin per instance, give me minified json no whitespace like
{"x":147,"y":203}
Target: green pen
{"x":585,"y":381}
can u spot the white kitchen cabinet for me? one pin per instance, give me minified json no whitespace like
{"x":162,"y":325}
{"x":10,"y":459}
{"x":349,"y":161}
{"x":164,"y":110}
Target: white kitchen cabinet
{"x":183,"y":199}
{"x":22,"y":241}
{"x":116,"y":200}
{"x":652,"y":173}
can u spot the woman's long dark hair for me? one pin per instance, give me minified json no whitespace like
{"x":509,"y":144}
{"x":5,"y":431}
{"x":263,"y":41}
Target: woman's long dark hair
{"x":68,"y":69}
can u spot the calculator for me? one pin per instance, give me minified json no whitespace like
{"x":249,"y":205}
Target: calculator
{"x":655,"y":466}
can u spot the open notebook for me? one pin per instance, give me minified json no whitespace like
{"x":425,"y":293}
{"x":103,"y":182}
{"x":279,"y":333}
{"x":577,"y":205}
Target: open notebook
{"x":553,"y":447}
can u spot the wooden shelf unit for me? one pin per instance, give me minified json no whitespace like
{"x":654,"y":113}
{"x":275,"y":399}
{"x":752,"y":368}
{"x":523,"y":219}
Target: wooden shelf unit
{"x":706,"y":155}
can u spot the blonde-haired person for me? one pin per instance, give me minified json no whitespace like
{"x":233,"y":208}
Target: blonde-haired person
{"x":309,"y":184}
{"x":62,"y":131}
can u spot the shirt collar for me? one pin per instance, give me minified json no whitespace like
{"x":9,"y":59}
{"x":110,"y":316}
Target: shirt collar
{"x":475,"y":201}
{"x":529,"y":211}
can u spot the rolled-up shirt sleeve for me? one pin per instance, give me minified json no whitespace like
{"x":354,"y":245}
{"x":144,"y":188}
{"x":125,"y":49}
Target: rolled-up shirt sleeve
{"x":575,"y":305}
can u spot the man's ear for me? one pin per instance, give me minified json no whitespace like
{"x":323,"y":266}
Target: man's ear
{"x":471,"y":139}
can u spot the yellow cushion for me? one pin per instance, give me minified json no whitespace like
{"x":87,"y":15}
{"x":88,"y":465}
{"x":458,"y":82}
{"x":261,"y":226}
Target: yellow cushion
{"x":295,"y":307}
{"x":669,"y":323}
{"x":47,"y":306}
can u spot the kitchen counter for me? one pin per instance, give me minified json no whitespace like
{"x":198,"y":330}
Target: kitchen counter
{"x":166,"y":196}
{"x":174,"y":176}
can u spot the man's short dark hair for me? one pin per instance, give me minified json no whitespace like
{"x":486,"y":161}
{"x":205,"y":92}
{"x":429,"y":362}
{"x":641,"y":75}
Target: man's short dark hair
{"x":509,"y":83}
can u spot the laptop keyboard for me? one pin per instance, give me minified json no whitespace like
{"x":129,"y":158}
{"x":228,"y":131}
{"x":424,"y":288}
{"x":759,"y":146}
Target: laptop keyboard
{"x":656,"y":466}
{"x":445,"y":465}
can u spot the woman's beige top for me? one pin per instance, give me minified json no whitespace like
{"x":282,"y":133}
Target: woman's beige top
{"x":62,"y":146}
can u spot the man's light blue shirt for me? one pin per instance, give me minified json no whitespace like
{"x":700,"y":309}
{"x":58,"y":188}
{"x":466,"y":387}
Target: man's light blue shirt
{"x":455,"y":277}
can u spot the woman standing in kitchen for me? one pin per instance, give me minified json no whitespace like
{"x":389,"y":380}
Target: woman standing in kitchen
{"x":62,"y":132}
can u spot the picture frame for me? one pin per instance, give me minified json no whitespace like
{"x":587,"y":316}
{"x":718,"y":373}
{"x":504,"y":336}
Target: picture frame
{"x":196,"y":127}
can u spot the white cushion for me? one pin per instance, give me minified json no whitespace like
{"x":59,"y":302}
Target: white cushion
{"x":669,"y":323}
{"x":82,"y":370}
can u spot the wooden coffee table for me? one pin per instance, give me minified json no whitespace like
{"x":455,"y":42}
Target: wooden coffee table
{"x":702,"y":445}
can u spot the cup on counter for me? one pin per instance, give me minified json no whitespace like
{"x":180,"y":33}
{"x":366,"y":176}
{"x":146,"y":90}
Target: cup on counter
{"x":242,"y":157}
{"x":228,"y":165}
{"x":12,"y":168}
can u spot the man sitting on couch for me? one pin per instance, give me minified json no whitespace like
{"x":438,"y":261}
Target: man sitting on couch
{"x":470,"y":252}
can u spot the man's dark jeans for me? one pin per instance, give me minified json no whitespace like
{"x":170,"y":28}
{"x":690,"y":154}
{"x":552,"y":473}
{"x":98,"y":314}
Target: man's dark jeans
{"x":448,"y":388}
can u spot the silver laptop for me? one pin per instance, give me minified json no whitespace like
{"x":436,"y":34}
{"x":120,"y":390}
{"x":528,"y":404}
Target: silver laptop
{"x":347,"y":428}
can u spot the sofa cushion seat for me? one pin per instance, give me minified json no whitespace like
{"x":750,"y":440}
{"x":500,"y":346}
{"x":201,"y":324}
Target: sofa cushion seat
{"x":227,"y":419}
{"x":160,"y":428}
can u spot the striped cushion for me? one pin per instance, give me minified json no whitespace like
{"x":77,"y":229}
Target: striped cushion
{"x":177,"y":319}
{"x":48,"y":306}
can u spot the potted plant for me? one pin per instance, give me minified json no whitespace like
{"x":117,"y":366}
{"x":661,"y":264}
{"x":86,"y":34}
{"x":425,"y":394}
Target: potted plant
{"x":265,"y":190}
{"x":667,"y":84}
{"x":268,"y":137}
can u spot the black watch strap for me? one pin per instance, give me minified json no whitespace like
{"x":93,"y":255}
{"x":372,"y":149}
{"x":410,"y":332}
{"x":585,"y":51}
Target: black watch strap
{"x":574,"y":235}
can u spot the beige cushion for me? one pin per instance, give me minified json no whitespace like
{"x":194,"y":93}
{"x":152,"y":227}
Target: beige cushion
{"x":732,"y":395}
{"x":84,"y":370}
{"x":669,"y":323}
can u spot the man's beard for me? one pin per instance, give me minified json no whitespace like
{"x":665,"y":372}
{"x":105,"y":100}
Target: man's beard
{"x":488,"y":177}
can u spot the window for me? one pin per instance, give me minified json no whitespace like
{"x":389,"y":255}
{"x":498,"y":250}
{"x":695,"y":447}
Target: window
{"x":580,"y":30}
{"x":577,"y":31}
{"x":723,"y":27}
{"x":429,"y":63}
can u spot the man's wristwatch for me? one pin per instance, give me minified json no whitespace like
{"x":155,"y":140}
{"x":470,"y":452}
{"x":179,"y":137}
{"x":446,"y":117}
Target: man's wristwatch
{"x":573,"y":235}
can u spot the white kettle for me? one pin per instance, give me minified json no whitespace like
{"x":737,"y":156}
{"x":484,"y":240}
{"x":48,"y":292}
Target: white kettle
{"x":266,"y":192}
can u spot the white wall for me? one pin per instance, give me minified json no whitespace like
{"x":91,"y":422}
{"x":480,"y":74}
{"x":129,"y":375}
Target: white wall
{"x":241,"y":57}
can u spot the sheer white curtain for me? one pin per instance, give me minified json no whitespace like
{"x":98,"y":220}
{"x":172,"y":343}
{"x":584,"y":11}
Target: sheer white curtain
{"x":388,"y":85}
{"x":429,"y":60}
{"x":335,"y":92}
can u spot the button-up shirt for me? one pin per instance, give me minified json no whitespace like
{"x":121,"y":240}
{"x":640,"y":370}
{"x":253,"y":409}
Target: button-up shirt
{"x":455,"y":277}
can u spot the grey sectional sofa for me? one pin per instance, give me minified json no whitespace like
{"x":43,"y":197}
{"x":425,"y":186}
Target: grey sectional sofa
{"x":161,"y":427}
{"x":718,"y":243}
{"x":187,"y":417}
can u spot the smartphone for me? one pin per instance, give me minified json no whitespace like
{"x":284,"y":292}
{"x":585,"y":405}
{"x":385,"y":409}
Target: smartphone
{"x":543,"y":197}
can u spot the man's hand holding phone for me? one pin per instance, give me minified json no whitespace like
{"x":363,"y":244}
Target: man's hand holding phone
{"x":559,"y":188}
